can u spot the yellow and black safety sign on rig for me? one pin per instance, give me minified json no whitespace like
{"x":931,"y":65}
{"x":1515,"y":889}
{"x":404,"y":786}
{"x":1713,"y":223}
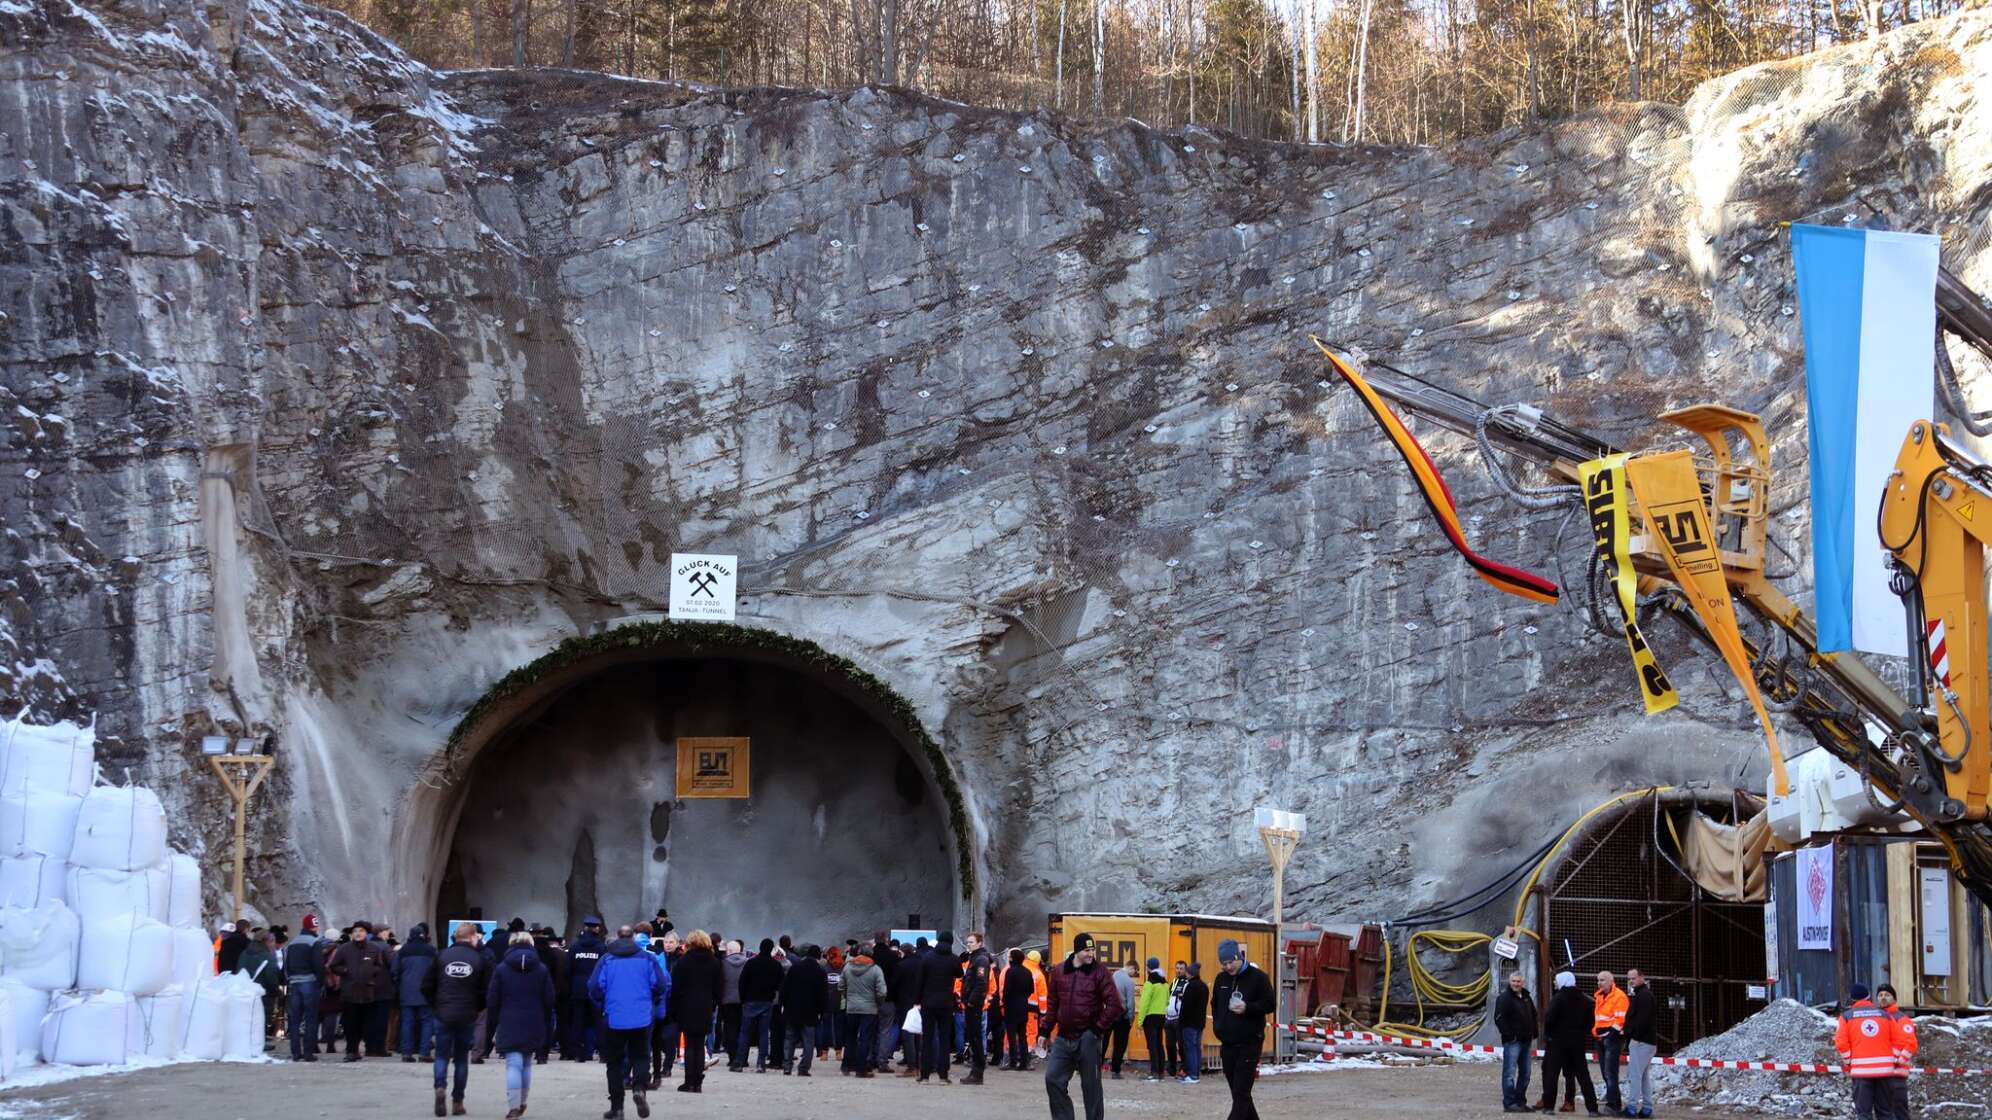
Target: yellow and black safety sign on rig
{"x":1609,"y":504}
{"x":1677,"y":516}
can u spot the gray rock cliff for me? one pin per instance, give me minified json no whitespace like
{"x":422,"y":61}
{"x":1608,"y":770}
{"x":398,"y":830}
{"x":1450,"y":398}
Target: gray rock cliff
{"x":336,"y":389}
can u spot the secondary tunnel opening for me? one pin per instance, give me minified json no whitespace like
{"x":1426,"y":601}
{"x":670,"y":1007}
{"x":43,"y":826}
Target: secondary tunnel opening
{"x":563,"y":796}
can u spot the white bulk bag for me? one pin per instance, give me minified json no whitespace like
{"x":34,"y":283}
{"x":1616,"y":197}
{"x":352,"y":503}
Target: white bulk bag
{"x":242,"y":1033}
{"x":183,"y":891}
{"x":25,"y":1008}
{"x":93,"y":1029}
{"x":35,"y":823}
{"x":193,"y":958}
{"x":60,"y":758}
{"x":162,"y":1018}
{"x":96,"y":893}
{"x":8,"y":1042}
{"x":32,"y":880}
{"x":204,"y":1016}
{"x":128,"y":953}
{"x":38,"y":946}
{"x":120,"y":828}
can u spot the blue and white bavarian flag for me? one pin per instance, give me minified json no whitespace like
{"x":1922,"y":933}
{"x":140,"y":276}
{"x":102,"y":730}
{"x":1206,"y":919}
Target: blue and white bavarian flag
{"x":1867,"y":305}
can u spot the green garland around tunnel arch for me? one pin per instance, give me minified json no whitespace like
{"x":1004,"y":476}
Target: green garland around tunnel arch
{"x":720,"y":638}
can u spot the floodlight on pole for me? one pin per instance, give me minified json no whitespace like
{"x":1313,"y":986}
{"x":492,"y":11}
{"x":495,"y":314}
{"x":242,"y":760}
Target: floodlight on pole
{"x":241,"y":769}
{"x":1281,"y":831}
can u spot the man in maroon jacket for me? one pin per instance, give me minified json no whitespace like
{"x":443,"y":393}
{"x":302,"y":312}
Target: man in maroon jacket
{"x":1083,"y":1005}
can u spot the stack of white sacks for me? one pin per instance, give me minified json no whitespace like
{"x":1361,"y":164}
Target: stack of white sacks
{"x":104,"y":959}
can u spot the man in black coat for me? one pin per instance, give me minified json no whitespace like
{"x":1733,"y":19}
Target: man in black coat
{"x":760,"y":984}
{"x":805,"y":997}
{"x":555,"y":960}
{"x":696,"y":989}
{"x":232,"y":945}
{"x":1515,"y":1017}
{"x":939,"y":969}
{"x":1566,"y":1029}
{"x":1240,"y":1001}
{"x":455,"y":989}
{"x":1018,"y":983}
{"x":974,"y":997}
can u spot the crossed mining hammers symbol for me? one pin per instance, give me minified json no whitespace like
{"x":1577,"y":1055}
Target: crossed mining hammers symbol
{"x":702,"y":584}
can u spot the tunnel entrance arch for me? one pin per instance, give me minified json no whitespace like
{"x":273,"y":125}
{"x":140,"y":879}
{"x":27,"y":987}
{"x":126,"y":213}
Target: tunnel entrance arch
{"x":555,"y":793}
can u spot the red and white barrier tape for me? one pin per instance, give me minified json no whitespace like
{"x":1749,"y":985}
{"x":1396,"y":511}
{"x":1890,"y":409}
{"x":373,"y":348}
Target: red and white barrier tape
{"x":1450,"y":1046}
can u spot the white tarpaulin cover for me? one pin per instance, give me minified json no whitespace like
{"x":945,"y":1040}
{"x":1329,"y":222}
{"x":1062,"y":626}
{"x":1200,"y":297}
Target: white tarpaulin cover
{"x":38,"y":946}
{"x":120,"y":828}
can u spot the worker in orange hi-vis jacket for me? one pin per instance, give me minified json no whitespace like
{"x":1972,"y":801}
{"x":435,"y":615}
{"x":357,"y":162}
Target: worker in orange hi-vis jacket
{"x":1897,"y":1087}
{"x":1867,"y":1041}
{"x":1034,"y":961}
{"x":1609,"y":1005}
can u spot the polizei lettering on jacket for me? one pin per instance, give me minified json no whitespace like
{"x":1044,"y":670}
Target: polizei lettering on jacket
{"x":1611,"y":533}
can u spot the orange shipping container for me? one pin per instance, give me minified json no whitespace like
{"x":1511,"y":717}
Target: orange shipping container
{"x":1121,"y":938}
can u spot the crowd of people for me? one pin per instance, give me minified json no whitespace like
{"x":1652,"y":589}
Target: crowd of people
{"x":646,"y":998}
{"x":1618,"y":1022}
{"x":1876,"y":1041}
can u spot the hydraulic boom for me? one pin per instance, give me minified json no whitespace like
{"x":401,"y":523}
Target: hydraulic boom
{"x":1930,"y":757}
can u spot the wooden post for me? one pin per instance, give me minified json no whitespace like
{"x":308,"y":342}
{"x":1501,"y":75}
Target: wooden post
{"x":249,"y":772}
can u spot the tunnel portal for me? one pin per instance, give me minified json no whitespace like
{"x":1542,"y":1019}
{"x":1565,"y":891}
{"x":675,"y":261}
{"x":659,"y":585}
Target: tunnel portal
{"x":573,"y":809}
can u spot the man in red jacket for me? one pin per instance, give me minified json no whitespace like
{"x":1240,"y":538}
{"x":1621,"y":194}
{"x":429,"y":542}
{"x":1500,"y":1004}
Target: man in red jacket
{"x":1082,"y":1005}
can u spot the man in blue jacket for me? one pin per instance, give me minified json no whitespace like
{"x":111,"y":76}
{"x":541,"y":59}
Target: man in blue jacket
{"x":626,"y":989}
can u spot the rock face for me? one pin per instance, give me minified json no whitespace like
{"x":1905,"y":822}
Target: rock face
{"x":338,"y":388}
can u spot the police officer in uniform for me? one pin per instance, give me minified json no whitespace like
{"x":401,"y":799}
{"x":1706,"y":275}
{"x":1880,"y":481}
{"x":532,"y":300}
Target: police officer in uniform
{"x":582,"y":957}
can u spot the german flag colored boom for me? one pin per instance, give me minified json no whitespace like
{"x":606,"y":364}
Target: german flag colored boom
{"x":1512,"y":580}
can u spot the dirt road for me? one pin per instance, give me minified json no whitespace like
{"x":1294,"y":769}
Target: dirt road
{"x":386,"y":1089}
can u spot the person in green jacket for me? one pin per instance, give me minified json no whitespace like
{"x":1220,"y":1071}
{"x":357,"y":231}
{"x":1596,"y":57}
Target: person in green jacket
{"x":864,"y":990}
{"x":1152,"y":1012}
{"x":259,"y":963}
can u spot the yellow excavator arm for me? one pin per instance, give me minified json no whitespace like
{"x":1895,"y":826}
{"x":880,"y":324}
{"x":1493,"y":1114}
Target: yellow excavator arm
{"x":1930,"y":760}
{"x":1936,"y":517}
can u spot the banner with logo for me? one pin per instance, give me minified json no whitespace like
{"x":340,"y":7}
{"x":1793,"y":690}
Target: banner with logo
{"x":1815,"y":897}
{"x":1609,"y":506}
{"x":1677,"y":523}
{"x":712,"y":767}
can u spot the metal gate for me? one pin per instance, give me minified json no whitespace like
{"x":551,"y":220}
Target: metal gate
{"x":1620,"y":900}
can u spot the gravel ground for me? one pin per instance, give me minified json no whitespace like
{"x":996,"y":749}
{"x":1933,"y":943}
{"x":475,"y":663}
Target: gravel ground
{"x":382,"y":1090}
{"x":1787,"y":1031}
